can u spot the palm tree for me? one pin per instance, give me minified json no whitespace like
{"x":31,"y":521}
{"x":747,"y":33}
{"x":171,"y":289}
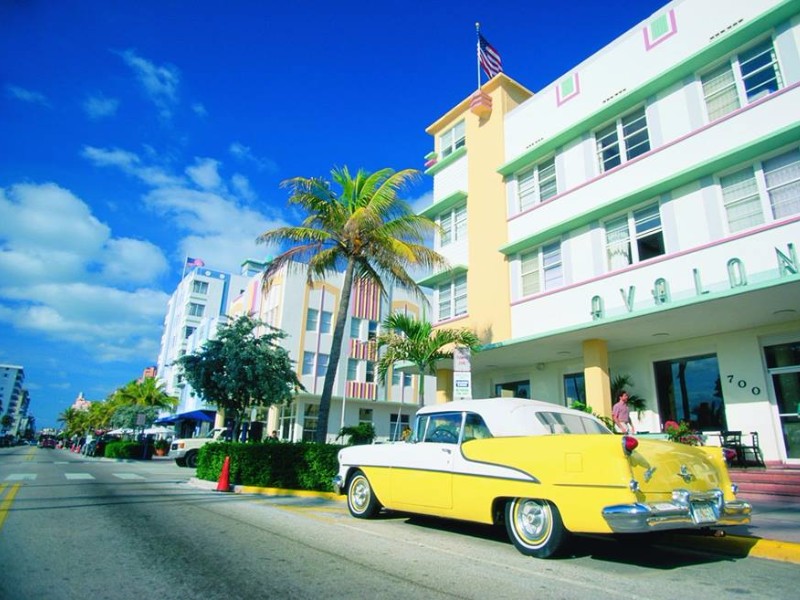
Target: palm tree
{"x":360,"y":226}
{"x":145,"y":393}
{"x":408,"y":339}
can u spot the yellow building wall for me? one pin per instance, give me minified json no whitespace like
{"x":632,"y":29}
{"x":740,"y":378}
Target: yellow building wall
{"x":488,"y":289}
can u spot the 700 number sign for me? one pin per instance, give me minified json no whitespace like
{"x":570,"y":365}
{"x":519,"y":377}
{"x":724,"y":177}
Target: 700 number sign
{"x":741,"y":383}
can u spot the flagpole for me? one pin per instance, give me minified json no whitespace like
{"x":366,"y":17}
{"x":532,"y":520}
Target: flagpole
{"x":478,"y":48}
{"x":185,"y":260}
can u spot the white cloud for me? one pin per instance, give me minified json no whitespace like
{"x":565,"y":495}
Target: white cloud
{"x":241,"y":186}
{"x":199,"y":110}
{"x":98,"y":106}
{"x":63,"y":275}
{"x":131,"y":164}
{"x":219,"y":230}
{"x":205,"y":174}
{"x":214,"y":221}
{"x":245,"y":154}
{"x":25,"y":95}
{"x":160,"y":82}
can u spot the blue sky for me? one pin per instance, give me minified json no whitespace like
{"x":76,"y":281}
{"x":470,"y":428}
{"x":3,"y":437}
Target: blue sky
{"x":135,"y":133}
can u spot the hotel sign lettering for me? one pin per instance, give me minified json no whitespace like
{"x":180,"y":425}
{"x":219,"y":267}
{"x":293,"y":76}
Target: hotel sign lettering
{"x":737,"y":277}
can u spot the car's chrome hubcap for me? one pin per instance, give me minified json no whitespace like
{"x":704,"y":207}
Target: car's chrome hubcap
{"x":360,"y":494}
{"x":532,"y":520}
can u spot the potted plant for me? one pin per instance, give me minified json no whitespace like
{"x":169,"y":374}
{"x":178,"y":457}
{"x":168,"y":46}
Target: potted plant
{"x":161,"y":447}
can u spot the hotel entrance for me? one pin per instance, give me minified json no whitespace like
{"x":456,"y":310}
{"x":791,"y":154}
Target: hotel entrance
{"x":783,"y":363}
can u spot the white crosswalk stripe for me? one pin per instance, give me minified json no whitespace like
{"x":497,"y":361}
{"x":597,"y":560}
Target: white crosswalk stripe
{"x":127,"y":476}
{"x":20,"y":476}
{"x":78,"y":475}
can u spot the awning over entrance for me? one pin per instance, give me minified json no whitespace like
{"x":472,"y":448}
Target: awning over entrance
{"x":192,"y":415}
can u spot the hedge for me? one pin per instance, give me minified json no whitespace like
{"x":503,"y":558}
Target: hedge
{"x":297,"y":466}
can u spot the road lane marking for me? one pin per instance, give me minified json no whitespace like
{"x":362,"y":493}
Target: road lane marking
{"x":127,"y":476}
{"x":5,"y":505}
{"x":78,"y":476}
{"x":21,"y":476}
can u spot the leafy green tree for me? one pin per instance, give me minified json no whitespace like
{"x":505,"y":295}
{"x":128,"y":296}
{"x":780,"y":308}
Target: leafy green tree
{"x":239,"y":370}
{"x":359,"y":225}
{"x":6,"y":421}
{"x":408,"y":339}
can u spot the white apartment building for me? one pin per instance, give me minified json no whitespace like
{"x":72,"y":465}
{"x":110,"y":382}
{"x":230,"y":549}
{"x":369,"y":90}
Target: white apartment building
{"x":640,"y":215}
{"x":203,"y":293}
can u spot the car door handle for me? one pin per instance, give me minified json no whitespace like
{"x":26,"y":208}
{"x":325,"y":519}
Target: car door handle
{"x":447,"y":450}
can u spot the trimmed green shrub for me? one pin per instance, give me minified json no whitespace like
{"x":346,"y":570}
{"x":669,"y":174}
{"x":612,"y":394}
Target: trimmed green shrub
{"x":127,"y":449}
{"x":300,"y":466}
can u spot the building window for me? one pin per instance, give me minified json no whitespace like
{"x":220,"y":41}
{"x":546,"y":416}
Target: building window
{"x":574,"y":388}
{"x":513,"y":389}
{"x":312,"y":319}
{"x":355,"y":328}
{"x":452,"y":139}
{"x":395,"y":377}
{"x":453,"y":298}
{"x":407,"y":379}
{"x":365,"y":415}
{"x":689,"y":389}
{"x":644,"y":227}
{"x":536,"y":184}
{"x":454,"y":225}
{"x":308,"y":363}
{"x":187,"y":331}
{"x":199,"y":287}
{"x":322,"y":364}
{"x":370,"y":377}
{"x":397,"y":424}
{"x":326,"y":321}
{"x":196,"y":310}
{"x":541,"y":269}
{"x":352,"y":369}
{"x":770,"y":187}
{"x":372,"y":330}
{"x":623,"y":140}
{"x":745,"y":78}
{"x":310,"y":418}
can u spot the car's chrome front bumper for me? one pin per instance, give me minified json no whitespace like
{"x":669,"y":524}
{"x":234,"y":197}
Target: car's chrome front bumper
{"x":686,"y":510}
{"x":338,"y":484}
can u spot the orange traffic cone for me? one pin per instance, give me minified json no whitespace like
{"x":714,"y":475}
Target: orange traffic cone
{"x":223,"y":485}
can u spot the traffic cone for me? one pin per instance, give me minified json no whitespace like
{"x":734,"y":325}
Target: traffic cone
{"x":223,"y":485}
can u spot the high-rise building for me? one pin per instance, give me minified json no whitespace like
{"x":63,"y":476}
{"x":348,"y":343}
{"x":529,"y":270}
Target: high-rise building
{"x":638,"y":216}
{"x":202,"y":293}
{"x":14,"y":399}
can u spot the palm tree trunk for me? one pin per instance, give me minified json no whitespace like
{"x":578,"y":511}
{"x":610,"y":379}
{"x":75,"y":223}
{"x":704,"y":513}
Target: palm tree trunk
{"x":321,"y":433}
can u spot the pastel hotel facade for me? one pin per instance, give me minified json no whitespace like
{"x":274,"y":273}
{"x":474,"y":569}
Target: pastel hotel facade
{"x":306,"y":313}
{"x":639,"y":216}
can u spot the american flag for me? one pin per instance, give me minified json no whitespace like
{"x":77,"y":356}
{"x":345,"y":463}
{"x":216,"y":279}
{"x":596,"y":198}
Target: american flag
{"x":490,"y":59}
{"x":194,"y":262}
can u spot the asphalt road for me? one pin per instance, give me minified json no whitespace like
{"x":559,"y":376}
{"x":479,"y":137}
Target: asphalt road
{"x":90,"y":529}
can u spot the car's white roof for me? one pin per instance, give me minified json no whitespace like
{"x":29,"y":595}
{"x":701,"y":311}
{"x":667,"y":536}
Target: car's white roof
{"x":506,"y":416}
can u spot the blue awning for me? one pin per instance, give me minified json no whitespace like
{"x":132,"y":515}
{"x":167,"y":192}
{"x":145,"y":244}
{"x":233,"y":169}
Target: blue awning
{"x":192,"y":415}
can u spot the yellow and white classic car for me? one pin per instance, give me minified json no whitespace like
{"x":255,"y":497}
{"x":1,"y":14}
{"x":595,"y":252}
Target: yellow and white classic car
{"x":544,"y":470}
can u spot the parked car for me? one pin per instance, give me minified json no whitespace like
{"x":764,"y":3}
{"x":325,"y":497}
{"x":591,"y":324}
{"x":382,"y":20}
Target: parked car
{"x":544,"y":471}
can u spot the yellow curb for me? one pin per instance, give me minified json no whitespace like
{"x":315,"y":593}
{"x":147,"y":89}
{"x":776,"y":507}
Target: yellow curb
{"x":773,"y":549}
{"x":249,"y":489}
{"x":739,"y":546}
